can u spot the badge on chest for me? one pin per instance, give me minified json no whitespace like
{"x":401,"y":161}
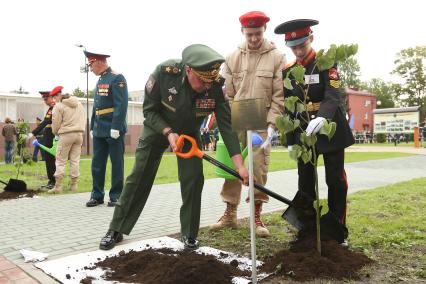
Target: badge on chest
{"x":312,"y":79}
{"x":103,"y":89}
{"x":205,"y":103}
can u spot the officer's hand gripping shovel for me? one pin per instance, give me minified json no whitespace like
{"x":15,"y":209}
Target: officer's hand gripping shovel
{"x":289,"y":215}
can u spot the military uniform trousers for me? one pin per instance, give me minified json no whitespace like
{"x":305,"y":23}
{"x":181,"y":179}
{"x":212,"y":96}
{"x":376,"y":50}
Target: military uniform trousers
{"x":49,"y":158}
{"x":231,"y":189}
{"x":69,"y":147}
{"x":102,"y":148}
{"x":335,"y":177}
{"x":139,"y":183}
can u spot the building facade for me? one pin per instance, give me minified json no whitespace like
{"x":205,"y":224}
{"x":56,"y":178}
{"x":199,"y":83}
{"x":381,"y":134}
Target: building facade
{"x":361,"y":105}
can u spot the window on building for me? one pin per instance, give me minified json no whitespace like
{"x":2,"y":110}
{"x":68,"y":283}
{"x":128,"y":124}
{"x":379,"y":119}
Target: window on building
{"x":367,"y":103}
{"x":366,"y":115}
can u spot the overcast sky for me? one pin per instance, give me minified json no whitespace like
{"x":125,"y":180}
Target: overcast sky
{"x":38,"y":37}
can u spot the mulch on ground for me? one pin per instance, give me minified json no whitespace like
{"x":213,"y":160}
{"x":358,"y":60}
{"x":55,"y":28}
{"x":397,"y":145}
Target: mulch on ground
{"x":302,"y":262}
{"x":166,"y":266}
{"x":6,"y":195}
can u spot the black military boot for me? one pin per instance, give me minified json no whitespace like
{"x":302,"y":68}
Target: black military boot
{"x":94,"y":202}
{"x":110,"y":239}
{"x":190,"y":243}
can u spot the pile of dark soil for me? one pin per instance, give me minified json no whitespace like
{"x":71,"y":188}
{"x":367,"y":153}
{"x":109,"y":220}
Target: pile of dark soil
{"x":166,"y":266}
{"x":302,"y":261}
{"x":5,"y":195}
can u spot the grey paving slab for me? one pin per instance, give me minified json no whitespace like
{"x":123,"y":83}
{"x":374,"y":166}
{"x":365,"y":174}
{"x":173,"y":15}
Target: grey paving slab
{"x":62,"y":225}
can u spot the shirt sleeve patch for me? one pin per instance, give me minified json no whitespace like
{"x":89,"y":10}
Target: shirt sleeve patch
{"x":150,"y":84}
{"x":335,"y":84}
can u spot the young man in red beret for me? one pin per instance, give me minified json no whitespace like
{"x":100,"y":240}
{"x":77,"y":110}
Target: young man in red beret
{"x":46,"y":127}
{"x":253,"y":71}
{"x":324,"y":102}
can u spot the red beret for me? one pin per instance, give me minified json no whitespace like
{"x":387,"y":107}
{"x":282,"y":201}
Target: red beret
{"x":253,"y":19}
{"x":56,"y":91}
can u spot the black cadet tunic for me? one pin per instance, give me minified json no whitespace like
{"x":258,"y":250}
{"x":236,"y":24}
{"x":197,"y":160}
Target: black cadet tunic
{"x":324,"y":99}
{"x":171,"y":102}
{"x":45,"y":127}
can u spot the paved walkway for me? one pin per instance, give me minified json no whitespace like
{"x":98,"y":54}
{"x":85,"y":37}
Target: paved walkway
{"x":62,"y":225}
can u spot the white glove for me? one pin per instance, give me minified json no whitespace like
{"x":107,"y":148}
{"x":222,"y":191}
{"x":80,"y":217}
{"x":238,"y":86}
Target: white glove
{"x":29,"y":136}
{"x":115,"y":133}
{"x":290,"y":148}
{"x":315,"y":125}
{"x":268,"y":139}
{"x":91,"y":134}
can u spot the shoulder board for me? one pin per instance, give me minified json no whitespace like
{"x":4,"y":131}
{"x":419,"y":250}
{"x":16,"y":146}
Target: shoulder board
{"x":115,"y":72}
{"x":170,"y":69}
{"x":289,"y":65}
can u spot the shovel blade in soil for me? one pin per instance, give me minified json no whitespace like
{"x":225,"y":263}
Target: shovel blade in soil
{"x":290,"y":215}
{"x":16,"y":185}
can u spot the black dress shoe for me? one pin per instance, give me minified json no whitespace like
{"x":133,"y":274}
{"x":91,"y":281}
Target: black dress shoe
{"x":94,"y":202}
{"x":190,"y":243}
{"x":112,"y":203}
{"x":111,"y":238}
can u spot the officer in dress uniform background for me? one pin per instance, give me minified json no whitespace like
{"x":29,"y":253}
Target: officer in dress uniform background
{"x":45,"y":128}
{"x":325,"y":102}
{"x":178,"y":96}
{"x":108,"y":127}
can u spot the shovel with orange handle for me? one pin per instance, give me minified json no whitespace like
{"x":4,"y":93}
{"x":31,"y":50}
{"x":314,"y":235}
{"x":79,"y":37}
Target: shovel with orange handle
{"x":290,"y":214}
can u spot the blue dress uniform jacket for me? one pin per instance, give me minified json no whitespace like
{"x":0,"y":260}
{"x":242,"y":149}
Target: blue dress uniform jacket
{"x":110,"y":104}
{"x":109,"y":112}
{"x":171,"y":102}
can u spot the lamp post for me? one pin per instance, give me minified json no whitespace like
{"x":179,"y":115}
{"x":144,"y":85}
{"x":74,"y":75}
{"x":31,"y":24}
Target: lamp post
{"x":86,"y":70}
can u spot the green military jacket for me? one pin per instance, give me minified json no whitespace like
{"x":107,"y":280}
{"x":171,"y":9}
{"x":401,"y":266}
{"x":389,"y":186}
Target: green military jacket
{"x":110,"y":94}
{"x":171,"y":102}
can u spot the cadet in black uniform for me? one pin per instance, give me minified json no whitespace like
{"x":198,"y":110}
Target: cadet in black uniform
{"x":108,"y":127}
{"x":45,"y":127}
{"x":178,"y":96}
{"x":325,"y":102}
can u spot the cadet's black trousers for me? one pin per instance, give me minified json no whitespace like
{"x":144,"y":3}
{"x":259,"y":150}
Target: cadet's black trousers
{"x":335,"y":177}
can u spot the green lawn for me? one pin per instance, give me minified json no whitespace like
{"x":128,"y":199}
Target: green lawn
{"x":35,"y":175}
{"x":391,"y":230}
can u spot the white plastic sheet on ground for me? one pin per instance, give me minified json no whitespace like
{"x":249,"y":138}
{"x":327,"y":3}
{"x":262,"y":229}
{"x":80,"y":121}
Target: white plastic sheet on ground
{"x":33,"y":256}
{"x":74,"y":268}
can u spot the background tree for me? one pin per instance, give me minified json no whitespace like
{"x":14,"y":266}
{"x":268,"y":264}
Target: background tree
{"x":384,"y":92}
{"x":410,"y":66}
{"x":82,"y":94}
{"x":349,"y":71}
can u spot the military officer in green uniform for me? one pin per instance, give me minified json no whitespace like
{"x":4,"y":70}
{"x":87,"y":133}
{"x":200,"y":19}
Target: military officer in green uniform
{"x":108,"y":127}
{"x":178,"y":96}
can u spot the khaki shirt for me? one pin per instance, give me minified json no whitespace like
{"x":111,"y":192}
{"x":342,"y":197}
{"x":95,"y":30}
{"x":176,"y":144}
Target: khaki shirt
{"x":251,"y":74}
